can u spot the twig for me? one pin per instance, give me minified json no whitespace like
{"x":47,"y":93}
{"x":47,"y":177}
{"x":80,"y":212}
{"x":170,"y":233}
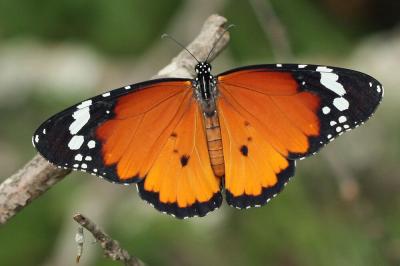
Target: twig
{"x":273,"y":28}
{"x":111,"y":247}
{"x":80,"y":240}
{"x":37,"y":176}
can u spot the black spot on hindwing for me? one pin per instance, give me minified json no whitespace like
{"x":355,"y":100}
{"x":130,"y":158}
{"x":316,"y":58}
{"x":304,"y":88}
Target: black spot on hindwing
{"x":244,"y":150}
{"x":184,"y":160}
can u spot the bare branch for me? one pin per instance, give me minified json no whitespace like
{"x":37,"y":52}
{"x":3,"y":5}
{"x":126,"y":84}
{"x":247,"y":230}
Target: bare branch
{"x":37,"y":176}
{"x":111,"y":247}
{"x":80,"y":240}
{"x":183,"y":64}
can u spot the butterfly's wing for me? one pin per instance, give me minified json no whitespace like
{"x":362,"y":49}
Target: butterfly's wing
{"x":272,"y":115}
{"x":181,"y":181}
{"x":144,"y":134}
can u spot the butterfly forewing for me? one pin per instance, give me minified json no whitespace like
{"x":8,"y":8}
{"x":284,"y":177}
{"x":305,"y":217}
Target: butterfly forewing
{"x":295,"y":102}
{"x":98,"y":135}
{"x":273,"y":114}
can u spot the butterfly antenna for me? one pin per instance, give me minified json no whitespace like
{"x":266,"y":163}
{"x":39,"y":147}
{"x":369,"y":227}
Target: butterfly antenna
{"x":179,"y":44}
{"x":220,"y":37}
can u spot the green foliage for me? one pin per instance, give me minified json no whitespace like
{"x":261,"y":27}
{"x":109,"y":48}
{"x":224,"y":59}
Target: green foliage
{"x":123,"y":27}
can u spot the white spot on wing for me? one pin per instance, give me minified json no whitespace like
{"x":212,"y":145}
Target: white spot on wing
{"x":91,"y":144}
{"x":44,"y":131}
{"x":342,"y":119}
{"x":341,"y":103}
{"x":106,"y":94}
{"x":37,"y":138}
{"x":326,"y":110}
{"x":85,"y":104}
{"x":338,"y":129}
{"x":127,"y":87}
{"x":81,"y":117}
{"x":78,"y":157}
{"x":76,"y":142}
{"x":332,"y":123}
{"x":88,"y":158}
{"x":302,"y":66}
{"x":279,"y":65}
{"x":84,"y":166}
{"x":330,"y":81}
{"x":324,"y":69}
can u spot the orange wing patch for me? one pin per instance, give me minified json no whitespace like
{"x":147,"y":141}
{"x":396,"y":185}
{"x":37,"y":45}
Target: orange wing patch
{"x":255,"y":80}
{"x":130,"y":141}
{"x":181,"y":181}
{"x":255,"y":170}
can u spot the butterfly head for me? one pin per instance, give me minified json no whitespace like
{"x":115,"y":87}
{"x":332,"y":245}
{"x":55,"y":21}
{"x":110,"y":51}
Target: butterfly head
{"x":203,"y":68}
{"x":205,"y":87}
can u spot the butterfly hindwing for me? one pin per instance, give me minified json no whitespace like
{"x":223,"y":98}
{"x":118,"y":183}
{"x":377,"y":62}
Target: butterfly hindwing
{"x":254,"y":170}
{"x":273,"y":114}
{"x":181,"y":181}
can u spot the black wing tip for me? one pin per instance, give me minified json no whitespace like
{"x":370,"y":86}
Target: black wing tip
{"x":246,"y":201}
{"x":198,"y":209}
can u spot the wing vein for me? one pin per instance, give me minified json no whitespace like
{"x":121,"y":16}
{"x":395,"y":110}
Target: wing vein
{"x":233,"y":98}
{"x":248,"y":88}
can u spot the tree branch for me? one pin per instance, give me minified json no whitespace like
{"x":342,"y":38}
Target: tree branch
{"x":38,"y":175}
{"x":111,"y":248}
{"x":35,"y":178}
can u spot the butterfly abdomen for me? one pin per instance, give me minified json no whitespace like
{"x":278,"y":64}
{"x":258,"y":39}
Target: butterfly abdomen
{"x":214,"y":144}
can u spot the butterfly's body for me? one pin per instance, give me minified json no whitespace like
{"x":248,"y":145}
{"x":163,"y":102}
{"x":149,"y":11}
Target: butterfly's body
{"x":184,"y":142}
{"x":214,"y":143}
{"x":206,"y":91}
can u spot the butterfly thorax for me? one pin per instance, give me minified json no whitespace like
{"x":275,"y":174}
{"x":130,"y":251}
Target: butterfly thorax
{"x":206,"y":93}
{"x":205,"y":88}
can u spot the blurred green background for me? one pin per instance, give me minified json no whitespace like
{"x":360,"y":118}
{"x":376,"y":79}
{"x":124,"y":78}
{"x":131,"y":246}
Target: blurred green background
{"x":342,"y":208}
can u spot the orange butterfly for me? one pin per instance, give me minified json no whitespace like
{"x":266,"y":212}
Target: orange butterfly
{"x":184,"y":141}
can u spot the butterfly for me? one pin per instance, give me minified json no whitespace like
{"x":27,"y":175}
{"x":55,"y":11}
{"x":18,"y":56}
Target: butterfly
{"x":185,"y":142}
